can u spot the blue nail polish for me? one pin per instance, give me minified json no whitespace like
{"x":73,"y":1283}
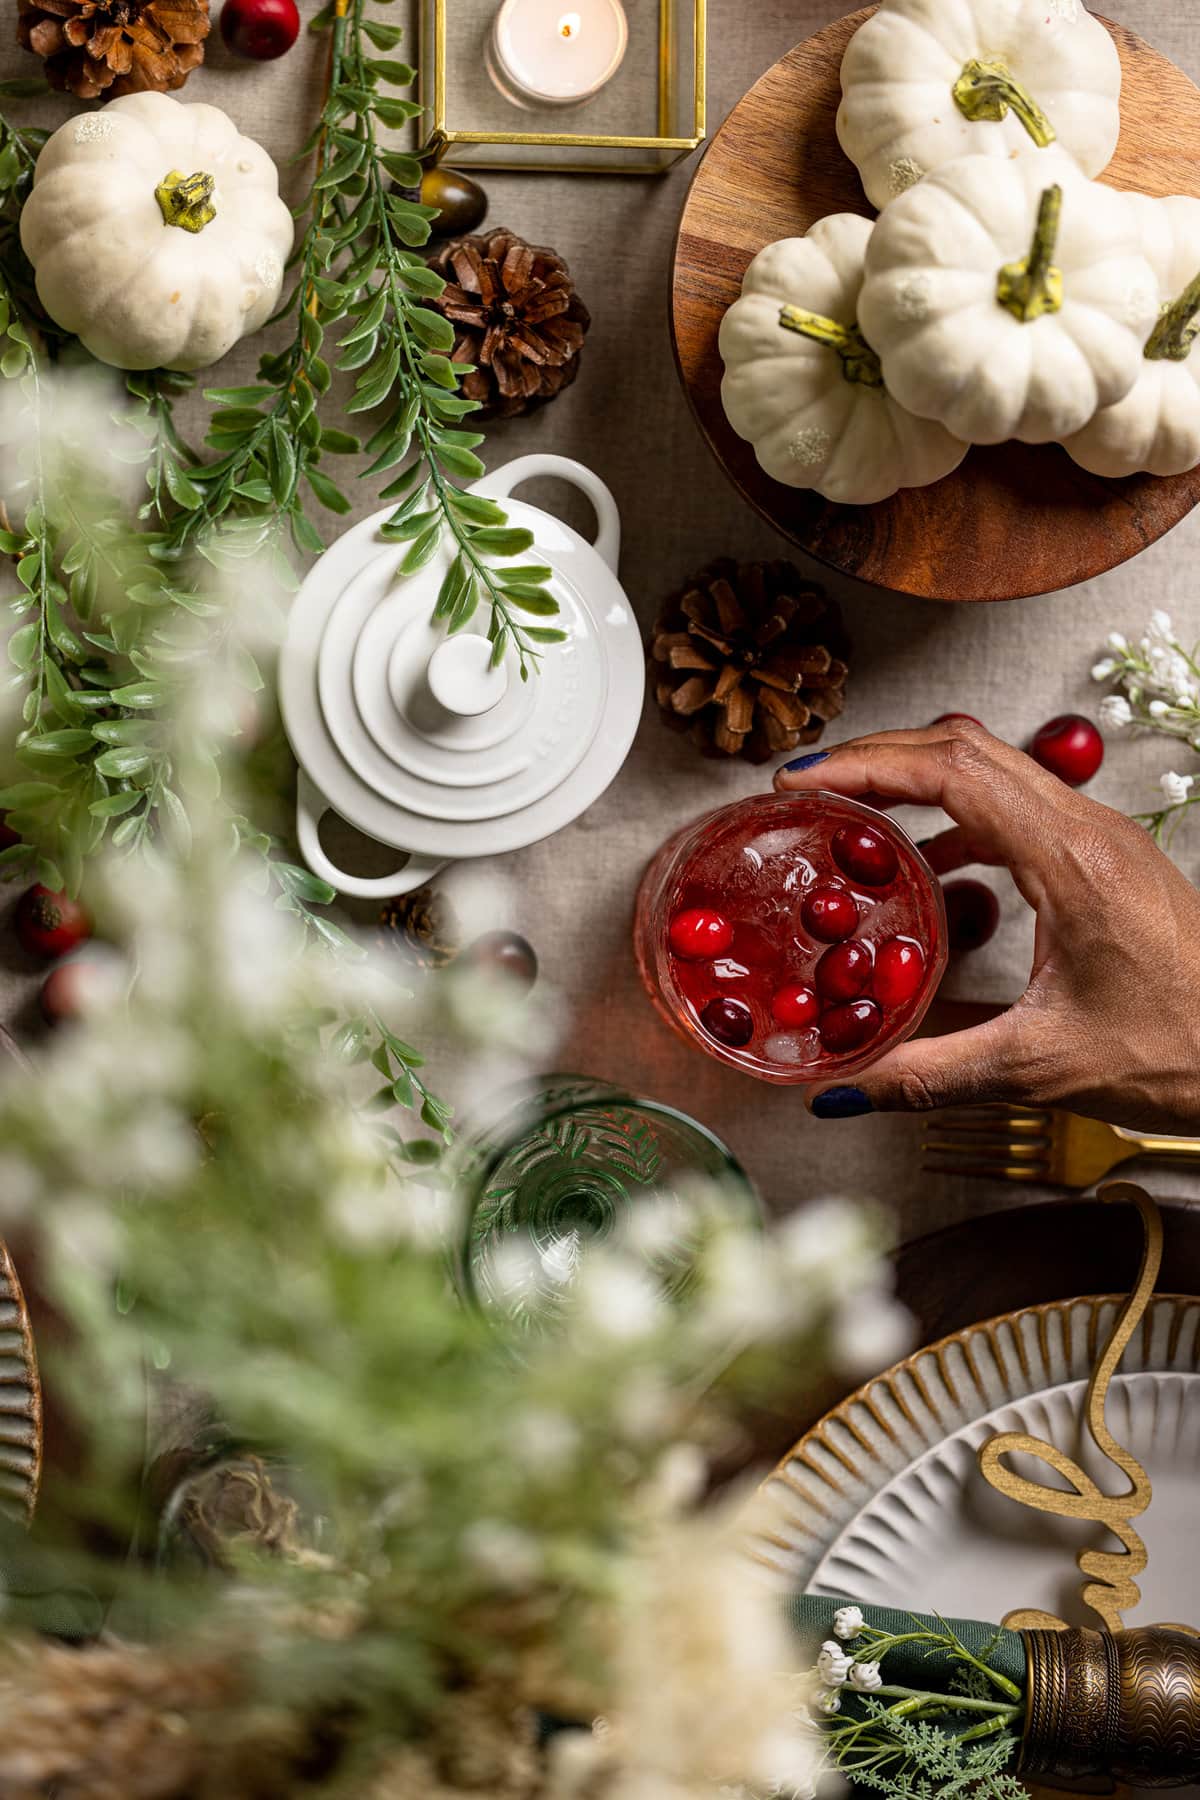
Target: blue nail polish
{"x":806,"y":762}
{"x":841,"y":1103}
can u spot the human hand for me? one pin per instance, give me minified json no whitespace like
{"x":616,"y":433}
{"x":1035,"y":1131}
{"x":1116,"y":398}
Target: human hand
{"x":1109,"y":1024}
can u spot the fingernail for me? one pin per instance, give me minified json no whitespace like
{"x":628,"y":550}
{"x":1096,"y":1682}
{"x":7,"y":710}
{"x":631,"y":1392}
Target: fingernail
{"x":841,"y":1103}
{"x":806,"y":762}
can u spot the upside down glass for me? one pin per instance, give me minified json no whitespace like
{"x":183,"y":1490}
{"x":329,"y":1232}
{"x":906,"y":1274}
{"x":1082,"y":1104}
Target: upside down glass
{"x":796,"y":937}
{"x":564,"y":1166}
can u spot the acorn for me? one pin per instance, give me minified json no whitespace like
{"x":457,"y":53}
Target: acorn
{"x":462,"y":204}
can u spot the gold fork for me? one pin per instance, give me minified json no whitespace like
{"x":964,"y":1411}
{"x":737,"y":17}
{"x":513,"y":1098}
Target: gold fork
{"x":1020,"y":1143}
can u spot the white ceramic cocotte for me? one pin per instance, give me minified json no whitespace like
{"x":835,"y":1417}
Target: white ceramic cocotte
{"x":408,"y":735}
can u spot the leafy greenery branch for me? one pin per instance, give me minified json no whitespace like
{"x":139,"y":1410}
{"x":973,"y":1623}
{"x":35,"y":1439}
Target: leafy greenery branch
{"x":906,"y":1741}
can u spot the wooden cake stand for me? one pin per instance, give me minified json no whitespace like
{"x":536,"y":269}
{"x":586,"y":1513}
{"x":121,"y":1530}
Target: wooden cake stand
{"x":1013,"y":520}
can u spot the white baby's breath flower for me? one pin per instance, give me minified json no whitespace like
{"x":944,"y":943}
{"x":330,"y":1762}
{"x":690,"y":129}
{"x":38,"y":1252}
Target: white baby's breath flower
{"x":828,"y":1701}
{"x":1160,"y":626}
{"x":847,"y":1622}
{"x":1115,"y":711}
{"x":510,"y":1557}
{"x":1186,"y":702}
{"x":1176,"y":788}
{"x":1104,"y":670}
{"x":870,"y":1332}
{"x":833,"y":1663}
{"x":1158,"y":709}
{"x":866,"y":1677}
{"x":618,"y":1300}
{"x":678,"y":1480}
{"x":545,"y":1440}
{"x":1119,"y":642}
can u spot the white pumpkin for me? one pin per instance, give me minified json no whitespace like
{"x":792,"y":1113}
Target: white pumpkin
{"x":925,"y":82}
{"x":804,"y":387}
{"x":156,"y":232}
{"x":1157,"y":425}
{"x":1009,"y":299}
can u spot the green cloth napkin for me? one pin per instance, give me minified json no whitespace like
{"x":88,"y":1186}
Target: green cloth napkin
{"x":34,"y":1596}
{"x":911,"y":1665}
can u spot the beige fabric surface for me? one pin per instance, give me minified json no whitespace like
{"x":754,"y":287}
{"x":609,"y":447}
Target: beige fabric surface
{"x":1013,"y":666}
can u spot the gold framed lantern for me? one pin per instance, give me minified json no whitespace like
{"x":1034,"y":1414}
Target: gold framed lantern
{"x":642,"y":120}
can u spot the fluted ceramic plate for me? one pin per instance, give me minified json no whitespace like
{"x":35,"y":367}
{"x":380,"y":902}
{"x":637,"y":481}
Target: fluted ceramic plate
{"x":20,"y":1400}
{"x":883,"y":1499}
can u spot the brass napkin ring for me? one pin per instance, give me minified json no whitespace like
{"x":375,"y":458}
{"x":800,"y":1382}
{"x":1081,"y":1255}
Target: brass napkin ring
{"x":1124,"y":1704}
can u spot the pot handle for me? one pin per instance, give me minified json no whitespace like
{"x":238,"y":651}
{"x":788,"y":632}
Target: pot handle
{"x":311,"y":807}
{"x":499,"y":485}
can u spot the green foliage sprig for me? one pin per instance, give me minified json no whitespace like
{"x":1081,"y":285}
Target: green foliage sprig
{"x":908,"y":1742}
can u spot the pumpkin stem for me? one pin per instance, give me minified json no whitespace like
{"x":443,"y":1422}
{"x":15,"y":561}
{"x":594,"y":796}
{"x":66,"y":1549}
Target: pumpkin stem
{"x":1178,"y":327}
{"x":186,"y":200}
{"x":1034,"y":287}
{"x":859,"y":361}
{"x":986,"y":90}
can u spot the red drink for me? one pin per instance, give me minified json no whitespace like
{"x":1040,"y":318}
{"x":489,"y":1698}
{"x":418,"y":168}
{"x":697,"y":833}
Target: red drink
{"x":796,"y":937}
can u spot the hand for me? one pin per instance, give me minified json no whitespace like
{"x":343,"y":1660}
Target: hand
{"x":1109,"y":1024}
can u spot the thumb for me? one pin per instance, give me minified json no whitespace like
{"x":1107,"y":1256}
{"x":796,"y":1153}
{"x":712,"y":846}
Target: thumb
{"x":966,"y":1068}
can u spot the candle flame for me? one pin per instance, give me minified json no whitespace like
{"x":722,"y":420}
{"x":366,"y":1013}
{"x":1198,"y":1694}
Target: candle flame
{"x":570,"y":25}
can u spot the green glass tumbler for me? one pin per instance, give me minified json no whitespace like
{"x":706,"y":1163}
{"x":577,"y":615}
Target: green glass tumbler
{"x":564,"y":1165}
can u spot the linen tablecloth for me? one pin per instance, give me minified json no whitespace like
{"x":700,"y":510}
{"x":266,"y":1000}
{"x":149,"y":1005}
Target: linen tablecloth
{"x":1012,"y":666}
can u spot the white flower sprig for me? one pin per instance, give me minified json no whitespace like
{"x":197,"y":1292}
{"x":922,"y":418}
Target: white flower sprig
{"x":1156,"y":688}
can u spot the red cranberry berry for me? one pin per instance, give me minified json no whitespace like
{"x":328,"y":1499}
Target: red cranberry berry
{"x":844,"y":971}
{"x":795,"y":1005}
{"x":865,"y":855}
{"x":899,"y":971}
{"x":699,"y":934}
{"x":8,"y":837}
{"x":972,"y":914}
{"x":260,"y":29}
{"x":1070,"y":747}
{"x":849,"y":1027}
{"x":729,"y":1021}
{"x":829,"y":913}
{"x":50,"y":924}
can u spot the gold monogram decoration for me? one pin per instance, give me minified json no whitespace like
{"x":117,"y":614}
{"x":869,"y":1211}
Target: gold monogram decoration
{"x":1110,"y":1586}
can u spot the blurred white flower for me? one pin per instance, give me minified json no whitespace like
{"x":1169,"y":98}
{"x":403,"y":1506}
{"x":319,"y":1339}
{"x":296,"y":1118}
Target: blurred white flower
{"x":870,"y":1333}
{"x":545,"y":1441}
{"x":1116,"y":711}
{"x":831,"y":1247}
{"x":1176,"y":788}
{"x":510,"y":1557}
{"x":678,"y":1480}
{"x":833,"y":1663}
{"x":828,"y":1701}
{"x":20,"y":1186}
{"x":1104,"y":670}
{"x":847,"y":1622}
{"x":1160,"y":626}
{"x":1158,"y":709}
{"x":700,"y":1661}
{"x":1119,"y":642}
{"x":866,"y":1677}
{"x":617,"y":1299}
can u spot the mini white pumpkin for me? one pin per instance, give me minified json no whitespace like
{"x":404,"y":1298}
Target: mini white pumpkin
{"x":803,"y":386}
{"x":1157,"y":425}
{"x":925,"y":82}
{"x":156,"y":232}
{"x":1009,"y":299}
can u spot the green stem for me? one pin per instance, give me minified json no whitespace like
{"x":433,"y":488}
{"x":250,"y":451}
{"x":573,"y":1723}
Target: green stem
{"x":987,"y":89}
{"x":186,"y":200}
{"x":1178,"y":327}
{"x":1032,"y":288}
{"x":859,"y":362}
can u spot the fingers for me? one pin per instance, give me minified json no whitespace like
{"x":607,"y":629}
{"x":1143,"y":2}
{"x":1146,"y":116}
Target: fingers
{"x":984,"y":1064}
{"x":954,"y":849}
{"x":1007,"y":809}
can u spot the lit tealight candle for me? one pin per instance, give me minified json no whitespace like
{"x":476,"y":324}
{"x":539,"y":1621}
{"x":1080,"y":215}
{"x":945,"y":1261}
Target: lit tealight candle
{"x":551,"y":53}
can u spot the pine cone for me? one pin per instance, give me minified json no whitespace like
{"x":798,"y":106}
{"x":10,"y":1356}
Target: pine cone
{"x":751,"y":658}
{"x":100,"y":49}
{"x":516,"y":316}
{"x":424,"y":925}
